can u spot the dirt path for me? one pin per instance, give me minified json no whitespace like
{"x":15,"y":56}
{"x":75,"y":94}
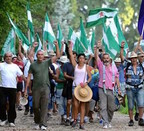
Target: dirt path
{"x":119,"y":123}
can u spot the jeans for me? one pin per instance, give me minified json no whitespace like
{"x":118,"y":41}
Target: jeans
{"x":60,"y":100}
{"x":7,"y":94}
{"x":135,"y":94}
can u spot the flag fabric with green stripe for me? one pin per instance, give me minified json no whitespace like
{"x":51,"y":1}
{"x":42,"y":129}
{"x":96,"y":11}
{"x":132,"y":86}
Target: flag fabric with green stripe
{"x":76,"y":43}
{"x":9,"y":45}
{"x":39,"y":47}
{"x":119,"y":33}
{"x":98,"y":16}
{"x":20,"y":35}
{"x":83,"y":36}
{"x":108,"y":42}
{"x":48,"y":33}
{"x":30,"y":25}
{"x":60,"y":37}
{"x":91,"y":44}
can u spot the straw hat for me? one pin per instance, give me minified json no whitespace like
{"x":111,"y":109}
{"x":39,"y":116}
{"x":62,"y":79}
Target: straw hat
{"x":83,"y":94}
{"x":118,"y":60}
{"x":133,"y":55}
{"x":51,"y":53}
{"x":140,"y":54}
{"x":63,"y":59}
{"x":23,"y":101}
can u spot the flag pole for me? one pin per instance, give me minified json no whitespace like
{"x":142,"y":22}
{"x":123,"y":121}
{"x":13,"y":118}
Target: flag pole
{"x":142,"y":30}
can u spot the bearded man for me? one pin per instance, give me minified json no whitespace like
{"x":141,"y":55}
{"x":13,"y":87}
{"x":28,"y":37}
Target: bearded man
{"x":108,"y":77}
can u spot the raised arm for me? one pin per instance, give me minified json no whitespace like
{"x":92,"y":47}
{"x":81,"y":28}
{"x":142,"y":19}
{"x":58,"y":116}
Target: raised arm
{"x":138,"y":46}
{"x":32,"y":51}
{"x":62,"y":47}
{"x":19,"y":49}
{"x":122,"y":50}
{"x":71,"y":54}
{"x":57,"y":49}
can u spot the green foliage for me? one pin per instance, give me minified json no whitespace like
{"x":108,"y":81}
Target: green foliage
{"x":128,"y":14}
{"x":17,"y":11}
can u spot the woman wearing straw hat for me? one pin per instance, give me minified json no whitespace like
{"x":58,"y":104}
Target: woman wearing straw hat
{"x":82,"y":93}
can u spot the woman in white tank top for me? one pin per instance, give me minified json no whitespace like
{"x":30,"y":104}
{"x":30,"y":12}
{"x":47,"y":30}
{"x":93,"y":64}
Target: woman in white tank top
{"x":80,"y":76}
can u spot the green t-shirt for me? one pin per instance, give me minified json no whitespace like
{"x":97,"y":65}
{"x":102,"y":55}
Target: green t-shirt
{"x":61,"y":77}
{"x":40,"y":73}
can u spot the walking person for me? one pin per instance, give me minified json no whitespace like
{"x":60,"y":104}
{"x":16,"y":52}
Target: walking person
{"x":80,"y":77}
{"x":134,"y":85}
{"x":9,"y":72}
{"x":108,"y":77}
{"x":41,"y":88}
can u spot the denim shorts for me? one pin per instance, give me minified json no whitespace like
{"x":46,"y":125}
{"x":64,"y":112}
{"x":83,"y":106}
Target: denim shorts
{"x":122,"y":88}
{"x":135,"y":94}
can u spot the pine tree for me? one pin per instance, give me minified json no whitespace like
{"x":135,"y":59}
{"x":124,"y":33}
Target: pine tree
{"x":62,"y":15}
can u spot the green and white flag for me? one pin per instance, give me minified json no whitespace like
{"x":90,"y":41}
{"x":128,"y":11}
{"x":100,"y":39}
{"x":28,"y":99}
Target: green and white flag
{"x":30,"y":25}
{"x":83,"y":36}
{"x":60,"y":37}
{"x":20,"y":35}
{"x":39,"y":47}
{"x":117,"y":32}
{"x":109,"y":41}
{"x":72,"y":36}
{"x":77,"y":45}
{"x":9,"y":45}
{"x":91,"y":44}
{"x":98,"y":16}
{"x":48,"y":33}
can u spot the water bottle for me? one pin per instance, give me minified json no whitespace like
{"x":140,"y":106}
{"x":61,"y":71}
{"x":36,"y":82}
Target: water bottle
{"x":101,"y":122}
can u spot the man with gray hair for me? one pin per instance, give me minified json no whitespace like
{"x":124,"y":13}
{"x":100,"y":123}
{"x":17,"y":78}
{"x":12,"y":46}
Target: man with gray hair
{"x":41,"y":88}
{"x":9,"y":73}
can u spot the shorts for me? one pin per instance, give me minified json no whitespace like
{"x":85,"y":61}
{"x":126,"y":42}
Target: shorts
{"x":19,"y":86}
{"x":135,"y":94}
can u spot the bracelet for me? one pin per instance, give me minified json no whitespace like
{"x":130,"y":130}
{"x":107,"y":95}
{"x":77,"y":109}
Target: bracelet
{"x":122,"y":47}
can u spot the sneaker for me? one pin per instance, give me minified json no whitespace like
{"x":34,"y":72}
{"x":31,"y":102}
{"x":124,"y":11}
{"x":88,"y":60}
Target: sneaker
{"x":43,"y":128}
{"x":19,"y":107}
{"x":36,"y":127}
{"x":131,"y":123}
{"x":11,"y":124}
{"x":141,"y":122}
{"x":105,"y":126}
{"x":3,"y":123}
{"x":26,"y":112}
{"x":31,"y":115}
{"x":136,"y":116}
{"x":82,"y":127}
{"x":86,"y":119}
{"x":67,"y":122}
{"x":74,"y":123}
{"x":62,"y":121}
{"x":109,"y":125}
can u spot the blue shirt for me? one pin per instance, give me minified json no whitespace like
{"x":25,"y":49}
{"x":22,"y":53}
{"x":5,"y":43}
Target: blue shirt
{"x":121,"y":73}
{"x":132,"y":78}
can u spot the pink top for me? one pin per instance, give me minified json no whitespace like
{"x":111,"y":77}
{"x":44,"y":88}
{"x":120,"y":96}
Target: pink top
{"x":80,"y":75}
{"x":108,"y":75}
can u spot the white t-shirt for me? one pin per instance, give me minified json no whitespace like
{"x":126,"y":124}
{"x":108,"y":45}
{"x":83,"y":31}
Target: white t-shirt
{"x":26,"y":67}
{"x":9,"y":72}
